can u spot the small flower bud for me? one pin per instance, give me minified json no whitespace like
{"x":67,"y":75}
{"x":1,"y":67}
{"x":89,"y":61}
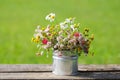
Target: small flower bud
{"x":38,"y":54}
{"x":92,"y":37}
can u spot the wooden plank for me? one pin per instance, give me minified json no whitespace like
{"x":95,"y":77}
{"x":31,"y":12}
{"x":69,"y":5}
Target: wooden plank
{"x":24,"y":67}
{"x":40,"y":71}
{"x":46,"y":67}
{"x":49,"y":75}
{"x":108,"y":67}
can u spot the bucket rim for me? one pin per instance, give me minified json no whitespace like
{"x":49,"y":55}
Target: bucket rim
{"x":66,"y":57}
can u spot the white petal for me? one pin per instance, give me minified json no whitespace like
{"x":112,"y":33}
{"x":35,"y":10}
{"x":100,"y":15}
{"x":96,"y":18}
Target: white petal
{"x":67,"y":20}
{"x":72,"y":27}
{"x":47,"y":17}
{"x":38,"y":27}
{"x":63,"y":25}
{"x":41,"y":52}
{"x":50,"y":16}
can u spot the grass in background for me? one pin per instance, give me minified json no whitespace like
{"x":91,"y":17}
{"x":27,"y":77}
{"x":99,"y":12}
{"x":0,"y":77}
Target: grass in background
{"x":19,"y":18}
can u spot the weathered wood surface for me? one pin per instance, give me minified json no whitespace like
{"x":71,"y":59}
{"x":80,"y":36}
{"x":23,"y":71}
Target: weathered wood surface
{"x":36,"y":71}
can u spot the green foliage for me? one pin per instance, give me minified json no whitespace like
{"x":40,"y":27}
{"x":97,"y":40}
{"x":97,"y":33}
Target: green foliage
{"x":18,"y":19}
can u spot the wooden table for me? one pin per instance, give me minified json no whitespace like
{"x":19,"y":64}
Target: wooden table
{"x":40,"y":71}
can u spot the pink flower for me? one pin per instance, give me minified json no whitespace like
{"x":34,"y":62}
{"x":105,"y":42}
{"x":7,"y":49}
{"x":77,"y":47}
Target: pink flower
{"x":44,"y":41}
{"x":77,"y":34}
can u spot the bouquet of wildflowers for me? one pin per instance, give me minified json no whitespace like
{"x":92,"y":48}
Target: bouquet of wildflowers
{"x":64,"y":36}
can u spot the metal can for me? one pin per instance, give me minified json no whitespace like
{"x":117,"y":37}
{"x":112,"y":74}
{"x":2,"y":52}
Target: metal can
{"x":65,"y":65}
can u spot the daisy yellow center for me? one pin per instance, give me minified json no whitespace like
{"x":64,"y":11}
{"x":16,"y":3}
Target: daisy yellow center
{"x":52,"y":17}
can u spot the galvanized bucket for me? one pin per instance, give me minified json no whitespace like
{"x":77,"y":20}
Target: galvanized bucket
{"x":65,"y":65}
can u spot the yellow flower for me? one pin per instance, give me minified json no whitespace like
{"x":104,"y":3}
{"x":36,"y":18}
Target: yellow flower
{"x":76,"y":25}
{"x":37,"y":40}
{"x":43,"y":29}
{"x":51,"y":28}
{"x":37,"y":37}
{"x":86,"y":29}
{"x":32,"y":39}
{"x":92,"y":37}
{"x":53,"y":33}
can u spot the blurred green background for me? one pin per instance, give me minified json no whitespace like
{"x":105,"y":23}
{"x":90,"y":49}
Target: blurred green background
{"x":19,"y":18}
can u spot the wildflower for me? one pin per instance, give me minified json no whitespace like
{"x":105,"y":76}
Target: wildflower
{"x":70,"y":20}
{"x":76,"y":25}
{"x":44,"y":41}
{"x":50,"y":17}
{"x":73,"y":27}
{"x":69,"y":36}
{"x":88,"y":42}
{"x":38,"y":34}
{"x":38,"y":54}
{"x":38,"y":37}
{"x":77,"y":34}
{"x":42,"y":29}
{"x":92,"y":37}
{"x":47,"y":29}
{"x":72,"y":40}
{"x":60,"y":32}
{"x":38,"y":27}
{"x":61,"y":37}
{"x":48,"y":34}
{"x":33,"y":39}
{"x":37,"y":40}
{"x":55,"y":46}
{"x":61,"y":45}
{"x":65,"y":39}
{"x":41,"y":52}
{"x":86,"y":29}
{"x":45,"y":46}
{"x":63,"y":25}
{"x":49,"y":44}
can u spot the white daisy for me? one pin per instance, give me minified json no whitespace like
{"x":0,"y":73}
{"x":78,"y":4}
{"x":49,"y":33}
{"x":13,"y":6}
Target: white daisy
{"x":38,"y":27}
{"x":38,"y":34}
{"x":50,"y":17}
{"x":63,"y":25}
{"x":70,"y":20}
